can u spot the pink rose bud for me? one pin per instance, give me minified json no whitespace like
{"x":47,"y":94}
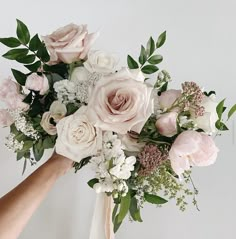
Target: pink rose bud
{"x":166,"y":124}
{"x":192,"y":148}
{"x":167,"y":98}
{"x":5,"y":118}
{"x":37,"y":83}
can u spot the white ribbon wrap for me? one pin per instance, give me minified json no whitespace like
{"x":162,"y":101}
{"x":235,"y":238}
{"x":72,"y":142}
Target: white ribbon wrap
{"x":102,"y":226}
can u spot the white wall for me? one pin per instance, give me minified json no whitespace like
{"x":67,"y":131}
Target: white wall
{"x":201,"y":46}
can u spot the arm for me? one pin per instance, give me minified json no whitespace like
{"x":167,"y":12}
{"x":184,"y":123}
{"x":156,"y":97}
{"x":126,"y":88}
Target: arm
{"x":18,"y":205}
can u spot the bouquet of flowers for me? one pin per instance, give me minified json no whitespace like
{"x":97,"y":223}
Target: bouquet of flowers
{"x":140,"y":138}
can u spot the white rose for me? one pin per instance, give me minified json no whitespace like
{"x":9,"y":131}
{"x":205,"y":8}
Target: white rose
{"x":208,"y":120}
{"x":47,"y":124}
{"x":58,"y":110}
{"x":77,"y":137}
{"x":79,"y":75}
{"x":100,"y":62}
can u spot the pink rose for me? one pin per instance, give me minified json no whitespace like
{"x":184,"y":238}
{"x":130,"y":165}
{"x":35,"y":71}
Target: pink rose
{"x":120,"y":103}
{"x":167,"y":98}
{"x":10,"y":94}
{"x":192,"y":148}
{"x":5,"y":118}
{"x":69,"y":43}
{"x":166,"y":124}
{"x":37,"y":83}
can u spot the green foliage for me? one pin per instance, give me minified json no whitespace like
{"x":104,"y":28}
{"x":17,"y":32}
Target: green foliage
{"x":92,"y":182}
{"x":19,"y":76}
{"x":22,"y":32}
{"x":150,"y":48}
{"x":34,"y":66}
{"x":161,"y":40}
{"x":38,"y":150}
{"x":231,"y":111}
{"x":35,"y":43}
{"x":155,"y":59}
{"x":220,"y":109}
{"x":132,"y":63}
{"x":11,"y":42}
{"x":150,"y":69}
{"x":14,"y":54}
{"x":124,"y":207}
{"x":81,"y":164}
{"x":142,"y":56}
{"x":135,"y":210}
{"x":26,"y":59}
{"x":154,"y":199}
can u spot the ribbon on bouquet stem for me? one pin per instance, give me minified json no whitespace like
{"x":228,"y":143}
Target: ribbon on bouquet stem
{"x":102,"y":226}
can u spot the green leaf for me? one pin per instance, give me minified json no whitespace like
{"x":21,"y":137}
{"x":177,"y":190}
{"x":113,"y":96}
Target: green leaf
{"x":142,"y":57}
{"x":220,"y":109}
{"x":232,"y":111}
{"x":28,"y":98}
{"x":71,"y":108}
{"x":92,"y":182}
{"x":81,"y":164}
{"x":114,"y":212}
{"x":42,"y":53}
{"x":22,"y":32}
{"x":48,"y":142}
{"x":124,"y":207}
{"x":16,"y":53}
{"x":132,"y":64}
{"x":19,"y":76}
{"x":117,"y":224}
{"x":150,"y":47}
{"x":35,"y":43}
{"x":221,"y":126}
{"x":149,"y":69}
{"x":38,"y":150}
{"x":26,"y":59}
{"x":154,"y":199}
{"x":10,"y":42}
{"x":24,"y":166}
{"x":161,"y":40}
{"x":20,"y":155}
{"x":27,"y":145}
{"x":34,"y":67}
{"x":134,"y":210}
{"x":61,"y":69}
{"x":156,"y":59}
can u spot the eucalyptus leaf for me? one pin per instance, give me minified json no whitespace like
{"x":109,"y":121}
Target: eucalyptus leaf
{"x":20,"y":155}
{"x":35,"y":43}
{"x":132,"y":64}
{"x":92,"y":182}
{"x":161,"y":40}
{"x":38,"y":150}
{"x":22,"y":32}
{"x":124,"y":207}
{"x":150,"y":47}
{"x":16,"y":53}
{"x":33,"y":67}
{"x":232,"y":111}
{"x":26,"y":59}
{"x":156,"y":59}
{"x":19,"y":76}
{"x":220,"y":109}
{"x":134,"y":210}
{"x":149,"y":69}
{"x":154,"y":199}
{"x":10,"y":42}
{"x":142,"y":57}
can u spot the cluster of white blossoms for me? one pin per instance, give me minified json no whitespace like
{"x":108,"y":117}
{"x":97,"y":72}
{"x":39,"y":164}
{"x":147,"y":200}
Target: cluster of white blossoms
{"x":66,"y":91}
{"x":23,"y":125}
{"x":112,"y":167}
{"x":13,"y":144}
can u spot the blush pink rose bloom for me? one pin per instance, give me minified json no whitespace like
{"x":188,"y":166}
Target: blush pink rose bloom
{"x":192,"y":148}
{"x":5,"y":118}
{"x":167,"y":98}
{"x":69,"y":43}
{"x":37,"y":83}
{"x":120,"y":103}
{"x":166,"y":124}
{"x":10,"y":95}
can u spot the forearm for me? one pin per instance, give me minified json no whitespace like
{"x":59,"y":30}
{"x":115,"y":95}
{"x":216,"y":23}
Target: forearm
{"x":18,"y":205}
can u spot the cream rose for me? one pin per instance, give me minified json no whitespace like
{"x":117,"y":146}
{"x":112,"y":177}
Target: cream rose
{"x":69,"y":43}
{"x":77,"y":137}
{"x":79,"y":75}
{"x":37,"y":83}
{"x":47,"y":125}
{"x":100,"y":62}
{"x":120,"y":103}
{"x":209,"y":118}
{"x":58,"y":110}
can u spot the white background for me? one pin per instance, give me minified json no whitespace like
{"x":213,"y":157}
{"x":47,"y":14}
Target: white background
{"x":201,"y":46}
